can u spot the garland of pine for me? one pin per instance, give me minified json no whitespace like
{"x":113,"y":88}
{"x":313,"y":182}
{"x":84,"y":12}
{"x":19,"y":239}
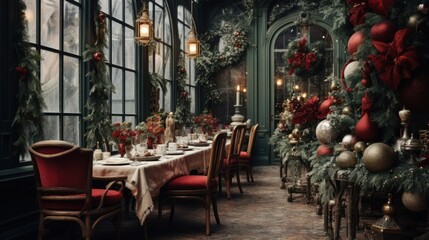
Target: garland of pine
{"x":211,"y":60}
{"x":29,"y":119}
{"x":182,"y":114}
{"x":99,"y":123}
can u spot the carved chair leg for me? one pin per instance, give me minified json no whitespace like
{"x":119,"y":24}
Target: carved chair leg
{"x":238,"y":181}
{"x":207,"y":213}
{"x":216,"y":214}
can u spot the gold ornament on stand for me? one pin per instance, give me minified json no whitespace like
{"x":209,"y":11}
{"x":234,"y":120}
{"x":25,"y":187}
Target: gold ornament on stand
{"x":386,"y":227}
{"x":412,"y":149}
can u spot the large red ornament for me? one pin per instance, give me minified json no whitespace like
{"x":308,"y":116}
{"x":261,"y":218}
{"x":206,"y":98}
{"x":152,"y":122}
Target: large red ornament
{"x":366,"y":130}
{"x":97,"y":56}
{"x":383,"y":31}
{"x":325,"y":106}
{"x":414,"y":93}
{"x":324,"y":150}
{"x":355,"y":41}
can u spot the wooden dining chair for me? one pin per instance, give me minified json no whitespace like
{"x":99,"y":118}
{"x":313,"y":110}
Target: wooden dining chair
{"x":63,"y":174}
{"x":245,"y":157}
{"x":201,"y":187}
{"x":230,"y":166}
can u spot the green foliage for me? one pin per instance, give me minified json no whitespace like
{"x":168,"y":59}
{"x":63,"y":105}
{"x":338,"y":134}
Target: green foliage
{"x":98,"y":118}
{"x":182,"y":114}
{"x":29,"y":119}
{"x":157,"y":81}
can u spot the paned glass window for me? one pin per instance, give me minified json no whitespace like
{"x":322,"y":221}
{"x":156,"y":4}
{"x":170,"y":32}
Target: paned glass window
{"x":54,"y":29}
{"x":184,"y":24}
{"x":121,"y":56}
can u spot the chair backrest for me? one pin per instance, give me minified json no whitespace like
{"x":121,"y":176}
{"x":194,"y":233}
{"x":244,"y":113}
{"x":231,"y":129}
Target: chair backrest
{"x":252,"y":136}
{"x":61,"y":168}
{"x":236,"y":142}
{"x":216,"y":156}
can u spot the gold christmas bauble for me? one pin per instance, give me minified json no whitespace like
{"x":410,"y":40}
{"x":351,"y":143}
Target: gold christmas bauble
{"x":414,"y":202}
{"x":346,"y":159}
{"x":325,"y":133}
{"x":296,"y":133}
{"x":360,"y":147}
{"x":378,"y":157}
{"x":347,"y":110}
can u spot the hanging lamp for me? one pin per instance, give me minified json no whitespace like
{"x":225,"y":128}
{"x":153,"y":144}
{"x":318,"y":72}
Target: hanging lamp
{"x":144,"y":27}
{"x":192,"y":42}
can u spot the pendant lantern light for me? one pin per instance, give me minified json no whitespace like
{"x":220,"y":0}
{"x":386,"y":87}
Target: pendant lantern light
{"x":192,"y":42}
{"x":144,"y":27}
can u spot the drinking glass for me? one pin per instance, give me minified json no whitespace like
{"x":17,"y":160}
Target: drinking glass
{"x":135,"y":141}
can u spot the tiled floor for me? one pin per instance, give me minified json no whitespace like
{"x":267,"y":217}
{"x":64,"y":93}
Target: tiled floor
{"x":262,"y":212}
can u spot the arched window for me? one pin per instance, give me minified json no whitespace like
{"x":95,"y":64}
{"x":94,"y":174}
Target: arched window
{"x":286,"y":84}
{"x":54,"y":29}
{"x":184,"y":23}
{"x":160,"y":58}
{"x":121,"y":55}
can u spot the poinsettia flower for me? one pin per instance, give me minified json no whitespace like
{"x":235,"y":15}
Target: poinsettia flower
{"x":395,"y":61}
{"x":359,"y":9}
{"x":308,"y":112}
{"x":309,"y":59}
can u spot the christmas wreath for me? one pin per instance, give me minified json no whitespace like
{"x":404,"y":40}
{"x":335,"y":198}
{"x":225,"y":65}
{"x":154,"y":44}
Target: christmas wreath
{"x":304,"y":60}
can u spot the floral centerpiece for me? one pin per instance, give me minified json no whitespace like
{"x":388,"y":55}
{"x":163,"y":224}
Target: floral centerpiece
{"x":155,"y":127}
{"x":303,"y":60}
{"x":122,"y":135}
{"x":205,"y":121}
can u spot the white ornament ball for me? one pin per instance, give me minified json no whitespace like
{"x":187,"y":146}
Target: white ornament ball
{"x":349,"y":141}
{"x":351,"y":68}
{"x":325,"y":133}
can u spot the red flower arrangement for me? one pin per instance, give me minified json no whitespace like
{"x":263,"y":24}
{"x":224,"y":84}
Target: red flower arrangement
{"x":308,"y":112}
{"x":155,"y":125}
{"x":122,"y":133}
{"x":205,"y":120}
{"x":302,"y":60}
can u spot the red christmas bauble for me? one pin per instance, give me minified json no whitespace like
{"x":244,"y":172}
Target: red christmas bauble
{"x":366,"y":130}
{"x":383,"y":31}
{"x":97,"y":56}
{"x":413,"y":93}
{"x":324,"y":150}
{"x":366,"y":82}
{"x":355,"y":41}
{"x":101,"y":17}
{"x":324,"y":107}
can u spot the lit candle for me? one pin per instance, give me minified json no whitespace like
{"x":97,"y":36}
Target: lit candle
{"x":238,"y":95}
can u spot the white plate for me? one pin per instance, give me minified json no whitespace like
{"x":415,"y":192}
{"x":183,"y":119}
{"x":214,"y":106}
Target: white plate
{"x":177,"y":152}
{"x":116,"y":161}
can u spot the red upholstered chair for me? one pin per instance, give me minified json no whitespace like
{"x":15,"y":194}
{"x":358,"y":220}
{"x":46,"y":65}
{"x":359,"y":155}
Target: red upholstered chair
{"x":63,"y":174}
{"x":203,"y":188}
{"x":245,"y":159}
{"x":230,"y":166}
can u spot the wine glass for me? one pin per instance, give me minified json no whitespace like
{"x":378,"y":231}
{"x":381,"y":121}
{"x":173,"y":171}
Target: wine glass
{"x":142,"y":146}
{"x":135,"y":141}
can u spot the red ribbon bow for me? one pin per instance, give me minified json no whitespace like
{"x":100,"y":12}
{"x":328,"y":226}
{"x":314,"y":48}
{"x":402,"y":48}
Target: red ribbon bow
{"x":309,"y":111}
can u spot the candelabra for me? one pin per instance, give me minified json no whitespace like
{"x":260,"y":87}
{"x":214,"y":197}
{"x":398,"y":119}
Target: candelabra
{"x":237,"y":118}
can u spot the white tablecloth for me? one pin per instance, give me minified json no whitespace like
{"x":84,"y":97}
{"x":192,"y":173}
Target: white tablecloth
{"x":146,"y":179}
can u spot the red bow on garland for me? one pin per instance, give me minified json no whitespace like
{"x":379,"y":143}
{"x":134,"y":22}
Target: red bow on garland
{"x":309,"y":111}
{"x":357,"y":12}
{"x":394,"y":61}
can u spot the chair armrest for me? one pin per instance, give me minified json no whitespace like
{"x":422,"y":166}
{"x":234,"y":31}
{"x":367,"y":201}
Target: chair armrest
{"x":117,"y":180}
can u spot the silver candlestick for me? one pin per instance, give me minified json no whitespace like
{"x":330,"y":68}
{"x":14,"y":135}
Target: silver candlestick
{"x":237,"y":118}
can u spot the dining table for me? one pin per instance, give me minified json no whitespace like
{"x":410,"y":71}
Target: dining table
{"x":145,"y":178}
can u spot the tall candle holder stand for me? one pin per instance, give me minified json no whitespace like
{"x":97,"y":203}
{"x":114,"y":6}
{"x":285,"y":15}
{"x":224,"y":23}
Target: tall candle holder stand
{"x":237,"y":118}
